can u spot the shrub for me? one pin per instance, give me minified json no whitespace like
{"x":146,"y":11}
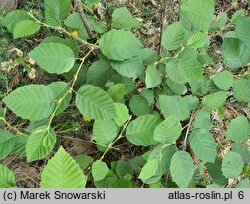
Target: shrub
{"x":161,"y":103}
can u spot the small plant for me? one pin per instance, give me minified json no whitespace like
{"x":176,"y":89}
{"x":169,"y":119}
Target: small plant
{"x":162,"y":103}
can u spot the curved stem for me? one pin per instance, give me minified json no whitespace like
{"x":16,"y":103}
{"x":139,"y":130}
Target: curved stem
{"x":61,"y":29}
{"x":193,"y":114}
{"x":11,"y":127}
{"x":59,"y":102}
{"x":174,"y":57}
{"x":110,"y":146}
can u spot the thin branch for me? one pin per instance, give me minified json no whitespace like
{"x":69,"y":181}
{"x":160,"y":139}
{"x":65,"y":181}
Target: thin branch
{"x":187,"y":132}
{"x":73,"y":81}
{"x":78,"y":4}
{"x":110,"y":146}
{"x":12,"y":127}
{"x":189,"y":126}
{"x":168,"y":58}
{"x":63,"y":30}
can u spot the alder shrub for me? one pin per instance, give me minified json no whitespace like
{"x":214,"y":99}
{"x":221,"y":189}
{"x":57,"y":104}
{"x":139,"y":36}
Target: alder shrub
{"x":168,"y":117}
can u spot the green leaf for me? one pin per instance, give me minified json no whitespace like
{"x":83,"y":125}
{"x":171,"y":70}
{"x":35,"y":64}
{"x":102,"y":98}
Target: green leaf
{"x":110,"y":181}
{"x":6,"y":143}
{"x":36,"y":124}
{"x":192,"y":101}
{"x":204,"y":59}
{"x":168,"y":131}
{"x":214,"y":100}
{"x":123,"y":19}
{"x":148,"y":95}
{"x":236,"y":52}
{"x":74,"y":22}
{"x":204,"y":146}
{"x":119,"y":45}
{"x":177,"y":88}
{"x":13,"y":18}
{"x":214,"y":170}
{"x":236,"y":16}
{"x":198,"y":40}
{"x":173,"y":36}
{"x":33,"y":102}
{"x":199,"y":87}
{"x":140,"y":131}
{"x":20,"y":145}
{"x":129,"y":83}
{"x":62,"y":171}
{"x":99,"y":73}
{"x":7,"y":178}
{"x":59,"y":90}
{"x":53,"y":57}
{"x":242,"y":90}
{"x":224,"y":80}
{"x":243,"y":150}
{"x":95,"y":103}
{"x":122,"y":114}
{"x":137,"y":163}
{"x":198,"y":173}
{"x":202,"y":120}
{"x":99,"y":170}
{"x":98,"y":26}
{"x":153,"y":77}
{"x":240,"y":123}
{"x":129,"y":68}
{"x":40,"y":143}
{"x":199,"y":13}
{"x":230,"y":34}
{"x":123,"y":168}
{"x":117,"y":92}
{"x":242,"y":29}
{"x":56,"y":11}
{"x":148,"y":56}
{"x":182,"y":168}
{"x":175,"y":106}
{"x":212,"y":88}
{"x":189,"y":66}
{"x":149,"y":171}
{"x":245,"y":183}
{"x":104,"y":131}
{"x":164,"y":154}
{"x":65,"y":41}
{"x":139,"y":105}
{"x":185,"y":68}
{"x":232,"y":165}
{"x":25,"y":28}
{"x":218,"y":22}
{"x":83,"y":160}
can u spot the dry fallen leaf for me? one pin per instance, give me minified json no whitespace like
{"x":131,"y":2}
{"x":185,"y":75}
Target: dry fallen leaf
{"x":18,"y":51}
{"x":32,"y":73}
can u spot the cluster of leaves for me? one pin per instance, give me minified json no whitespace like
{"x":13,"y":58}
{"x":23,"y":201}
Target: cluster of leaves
{"x":170,"y":112}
